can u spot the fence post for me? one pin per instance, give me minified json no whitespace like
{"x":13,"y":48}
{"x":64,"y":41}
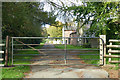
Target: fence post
{"x":9,"y":51}
{"x":110,"y":50}
{"x":6,"y":51}
{"x":65,"y":51}
{"x":103,"y":60}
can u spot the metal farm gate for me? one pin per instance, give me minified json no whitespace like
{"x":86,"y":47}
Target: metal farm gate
{"x":57,"y":50}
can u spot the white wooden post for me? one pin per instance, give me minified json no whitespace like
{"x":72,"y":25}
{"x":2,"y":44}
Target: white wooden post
{"x":63,"y":34}
{"x":110,"y":50}
{"x":103,"y":60}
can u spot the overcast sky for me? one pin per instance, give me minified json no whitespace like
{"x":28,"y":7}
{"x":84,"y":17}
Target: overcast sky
{"x":47,"y":7}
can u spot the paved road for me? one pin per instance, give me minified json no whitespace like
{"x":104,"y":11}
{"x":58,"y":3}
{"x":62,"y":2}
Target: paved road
{"x":74,"y":71}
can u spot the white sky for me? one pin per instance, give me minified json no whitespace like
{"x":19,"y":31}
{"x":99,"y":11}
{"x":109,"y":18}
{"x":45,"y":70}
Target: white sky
{"x":47,"y":7}
{"x":47,"y":26}
{"x":65,"y":2}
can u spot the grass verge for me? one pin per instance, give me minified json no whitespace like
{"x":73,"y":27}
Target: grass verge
{"x":15,"y":72}
{"x":19,"y":71}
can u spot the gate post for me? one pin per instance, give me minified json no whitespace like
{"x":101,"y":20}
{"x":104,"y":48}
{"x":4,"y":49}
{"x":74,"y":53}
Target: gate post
{"x":65,"y":51}
{"x":102,"y":49}
{"x":6,"y":52}
{"x":12,"y":51}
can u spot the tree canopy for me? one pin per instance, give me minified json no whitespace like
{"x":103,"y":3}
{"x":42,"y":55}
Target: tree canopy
{"x":103,"y":17}
{"x":100,"y":15}
{"x":54,"y":31}
{"x":24,"y":19}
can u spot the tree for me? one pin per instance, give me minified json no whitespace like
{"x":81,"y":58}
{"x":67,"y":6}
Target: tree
{"x":54,"y":31}
{"x":100,"y":16}
{"x":44,"y":32}
{"x":24,"y":19}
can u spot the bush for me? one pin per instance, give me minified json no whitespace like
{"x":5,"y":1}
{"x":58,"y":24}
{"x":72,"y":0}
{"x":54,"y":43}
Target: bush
{"x":86,"y":45}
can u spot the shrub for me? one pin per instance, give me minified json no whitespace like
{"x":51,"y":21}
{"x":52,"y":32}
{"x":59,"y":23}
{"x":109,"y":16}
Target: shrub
{"x":86,"y":45}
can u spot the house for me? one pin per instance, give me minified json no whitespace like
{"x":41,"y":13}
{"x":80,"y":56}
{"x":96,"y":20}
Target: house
{"x":68,"y":32}
{"x":71,"y":32}
{"x":73,"y":41}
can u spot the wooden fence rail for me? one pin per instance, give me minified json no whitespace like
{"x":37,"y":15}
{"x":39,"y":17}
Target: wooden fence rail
{"x":1,"y":52}
{"x":111,"y":52}
{"x":2,"y":45}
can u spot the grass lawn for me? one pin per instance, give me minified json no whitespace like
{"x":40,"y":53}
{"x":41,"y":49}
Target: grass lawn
{"x":18,"y":71}
{"x":90,"y":57}
{"x":83,"y":56}
{"x":87,"y":56}
{"x":18,"y":58}
{"x":61,"y":46}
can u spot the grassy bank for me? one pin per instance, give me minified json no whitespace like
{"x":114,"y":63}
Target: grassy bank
{"x":19,"y":71}
{"x":15,"y":72}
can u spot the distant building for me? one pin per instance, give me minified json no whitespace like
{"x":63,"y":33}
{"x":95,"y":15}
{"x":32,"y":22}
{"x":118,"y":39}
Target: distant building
{"x":73,"y":41}
{"x":70,"y":33}
{"x":66,"y":31}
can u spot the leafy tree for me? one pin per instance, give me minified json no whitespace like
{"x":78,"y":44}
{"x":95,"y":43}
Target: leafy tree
{"x":100,"y":16}
{"x":54,"y":31}
{"x":44,"y":32}
{"x":24,"y":19}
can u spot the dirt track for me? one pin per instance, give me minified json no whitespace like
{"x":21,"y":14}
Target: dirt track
{"x":73,"y":71}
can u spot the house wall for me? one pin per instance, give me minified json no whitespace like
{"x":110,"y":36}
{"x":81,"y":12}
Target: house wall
{"x":67,"y":34}
{"x":73,"y":41}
